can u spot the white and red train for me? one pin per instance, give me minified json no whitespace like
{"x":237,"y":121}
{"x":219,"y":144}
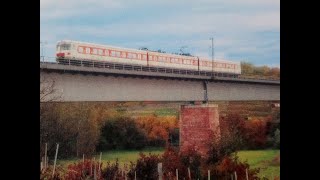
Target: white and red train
{"x":75,"y":50}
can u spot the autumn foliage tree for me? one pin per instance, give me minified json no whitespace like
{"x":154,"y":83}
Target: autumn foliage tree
{"x":248,"y":69}
{"x":255,"y":134}
{"x":157,"y":128}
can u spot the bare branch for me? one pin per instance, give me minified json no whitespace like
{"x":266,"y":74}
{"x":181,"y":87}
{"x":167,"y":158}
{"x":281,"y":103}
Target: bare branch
{"x":48,"y":93}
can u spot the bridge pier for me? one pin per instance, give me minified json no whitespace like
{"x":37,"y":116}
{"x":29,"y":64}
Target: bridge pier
{"x":199,"y":126}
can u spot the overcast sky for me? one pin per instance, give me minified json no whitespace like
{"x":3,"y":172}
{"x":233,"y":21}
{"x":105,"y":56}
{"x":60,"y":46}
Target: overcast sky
{"x":243,"y":30}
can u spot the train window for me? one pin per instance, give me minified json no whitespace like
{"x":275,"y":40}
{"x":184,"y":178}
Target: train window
{"x":123,"y":54}
{"x":58,"y":48}
{"x":65,"y":46}
{"x":106,"y":52}
{"x":94,"y":51}
{"x":87,"y":50}
{"x":150,"y":58}
{"x":144,"y":57}
{"x":118,"y":53}
{"x":139,"y":56}
{"x":80,"y":49}
{"x":100,"y":51}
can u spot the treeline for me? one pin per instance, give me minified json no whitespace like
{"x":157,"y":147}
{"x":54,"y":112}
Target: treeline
{"x":256,"y":133}
{"x":249,"y":70}
{"x":83,"y":129}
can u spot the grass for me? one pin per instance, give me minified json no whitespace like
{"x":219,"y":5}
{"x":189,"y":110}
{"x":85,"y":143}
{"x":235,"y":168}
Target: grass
{"x":123,"y":156}
{"x":256,"y":159}
{"x":262,"y":159}
{"x":166,"y":112}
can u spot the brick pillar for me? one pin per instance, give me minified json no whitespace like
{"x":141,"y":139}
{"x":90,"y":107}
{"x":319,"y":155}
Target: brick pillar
{"x":199,"y":125}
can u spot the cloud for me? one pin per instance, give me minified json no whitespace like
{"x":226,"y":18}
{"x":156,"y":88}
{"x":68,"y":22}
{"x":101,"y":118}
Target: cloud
{"x":239,"y":27}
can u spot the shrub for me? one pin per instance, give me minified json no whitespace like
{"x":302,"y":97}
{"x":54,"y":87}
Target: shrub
{"x":121,"y":133}
{"x":256,"y":134}
{"x":146,"y":167}
{"x":47,"y":174}
{"x":83,"y":170}
{"x":228,"y":165}
{"x":157,"y":128}
{"x":190,"y":158}
{"x":277,"y":139}
{"x":233,"y":128}
{"x":112,"y":171}
{"x":171,"y":161}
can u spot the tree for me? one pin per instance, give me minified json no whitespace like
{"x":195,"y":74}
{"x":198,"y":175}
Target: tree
{"x":48,"y":117}
{"x":121,"y":133}
{"x":48,"y":92}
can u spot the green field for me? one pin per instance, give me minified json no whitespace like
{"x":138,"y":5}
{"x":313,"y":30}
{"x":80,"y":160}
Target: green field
{"x":262,"y":159}
{"x":123,"y":156}
{"x":257,"y":159}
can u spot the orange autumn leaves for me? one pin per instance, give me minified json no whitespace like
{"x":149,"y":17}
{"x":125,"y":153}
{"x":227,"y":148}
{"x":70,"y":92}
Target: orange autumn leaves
{"x":157,"y":127}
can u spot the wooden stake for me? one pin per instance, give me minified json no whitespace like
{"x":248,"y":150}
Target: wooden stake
{"x":55,"y":160}
{"x":235,"y":175}
{"x":47,"y":162}
{"x":99,"y":165}
{"x":189,"y":173}
{"x":160,"y":173}
{"x":247,"y":176}
{"x":177,"y":174}
{"x":94,"y":171}
{"x":42,"y":164}
{"x":208,"y":174}
{"x":135,"y":175}
{"x":45,"y":156}
{"x":91,"y":167}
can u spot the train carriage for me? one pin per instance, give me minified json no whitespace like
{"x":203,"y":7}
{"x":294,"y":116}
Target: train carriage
{"x":89,"y":52}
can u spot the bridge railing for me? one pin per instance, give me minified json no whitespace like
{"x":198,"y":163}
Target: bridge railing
{"x":132,"y":67}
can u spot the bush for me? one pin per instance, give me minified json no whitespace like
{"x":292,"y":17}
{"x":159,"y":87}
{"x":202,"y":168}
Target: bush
{"x":256,"y":134}
{"x":112,"y":171}
{"x":145,"y":168}
{"x":233,"y":128}
{"x":277,"y":139}
{"x":84,"y":170}
{"x":157,"y":128}
{"x":219,"y":150}
{"x":47,"y":174}
{"x":171,"y":161}
{"x":121,"y":133}
{"x":228,"y":165}
{"x":190,"y":158}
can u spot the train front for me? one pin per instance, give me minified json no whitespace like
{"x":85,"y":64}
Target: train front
{"x":63,"y":50}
